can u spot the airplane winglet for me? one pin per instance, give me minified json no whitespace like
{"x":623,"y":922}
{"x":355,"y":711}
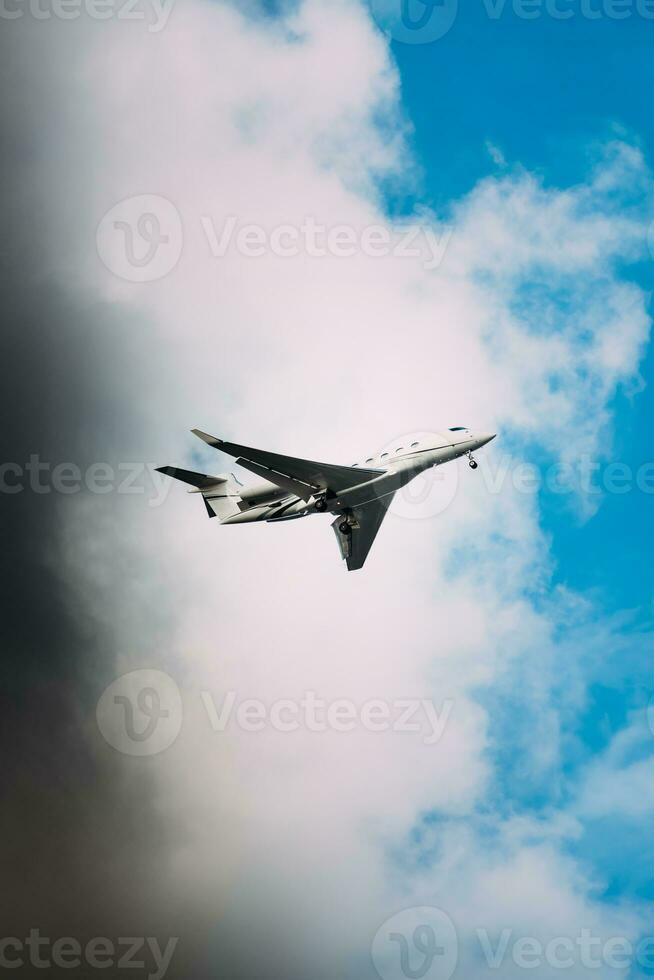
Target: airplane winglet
{"x":210,"y":440}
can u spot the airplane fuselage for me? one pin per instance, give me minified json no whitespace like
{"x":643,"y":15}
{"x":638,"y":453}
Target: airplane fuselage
{"x":265,"y":501}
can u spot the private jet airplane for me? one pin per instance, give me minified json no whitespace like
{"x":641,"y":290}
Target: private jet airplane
{"x":358,"y":495}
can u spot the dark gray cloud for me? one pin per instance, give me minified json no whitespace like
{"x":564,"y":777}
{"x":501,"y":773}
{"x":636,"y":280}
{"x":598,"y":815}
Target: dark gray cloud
{"x":86,"y":848}
{"x":81,"y":839}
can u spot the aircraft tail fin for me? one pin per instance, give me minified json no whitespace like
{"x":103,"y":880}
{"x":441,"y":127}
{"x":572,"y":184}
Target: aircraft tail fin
{"x":221,"y":494}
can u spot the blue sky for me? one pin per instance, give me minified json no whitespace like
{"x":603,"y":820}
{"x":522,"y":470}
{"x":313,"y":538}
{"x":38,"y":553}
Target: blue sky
{"x":546,"y":93}
{"x":541,"y":90}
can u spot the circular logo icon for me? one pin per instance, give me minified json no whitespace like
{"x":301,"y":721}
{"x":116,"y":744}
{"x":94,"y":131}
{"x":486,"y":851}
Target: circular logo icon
{"x":429,"y":493}
{"x":416,"y":944}
{"x":415,"y":21}
{"x":140,"y":713}
{"x":140,"y":239}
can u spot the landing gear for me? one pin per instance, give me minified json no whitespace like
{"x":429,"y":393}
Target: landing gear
{"x":472,"y":462}
{"x":345,"y":528}
{"x":320,"y":505}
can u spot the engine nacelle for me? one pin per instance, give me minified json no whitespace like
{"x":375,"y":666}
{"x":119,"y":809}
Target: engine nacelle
{"x":263,"y":493}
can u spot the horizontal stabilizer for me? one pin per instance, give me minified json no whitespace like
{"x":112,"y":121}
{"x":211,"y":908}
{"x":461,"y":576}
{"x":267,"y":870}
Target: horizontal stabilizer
{"x":221,"y":494}
{"x":199,"y":480}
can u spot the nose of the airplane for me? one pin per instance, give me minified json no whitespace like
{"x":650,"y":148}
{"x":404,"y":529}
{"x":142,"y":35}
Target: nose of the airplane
{"x":484,"y":437}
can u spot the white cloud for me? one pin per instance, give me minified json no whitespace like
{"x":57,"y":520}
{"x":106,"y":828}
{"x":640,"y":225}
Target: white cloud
{"x":496,"y":154}
{"x":619,"y":782}
{"x":329,"y":358}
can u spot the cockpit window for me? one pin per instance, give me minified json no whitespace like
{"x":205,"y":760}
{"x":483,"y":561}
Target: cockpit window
{"x":458,"y":428}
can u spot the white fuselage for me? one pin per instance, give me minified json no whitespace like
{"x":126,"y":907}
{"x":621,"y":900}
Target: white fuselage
{"x":267,"y":502}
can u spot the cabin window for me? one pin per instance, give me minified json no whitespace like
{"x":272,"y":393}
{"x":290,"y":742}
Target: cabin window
{"x":399,"y":449}
{"x":371,"y":460}
{"x":414,"y":444}
{"x":383,"y":455}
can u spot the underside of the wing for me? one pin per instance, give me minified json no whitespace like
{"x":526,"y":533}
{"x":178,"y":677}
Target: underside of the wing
{"x":304,"y":477}
{"x":356,"y":543}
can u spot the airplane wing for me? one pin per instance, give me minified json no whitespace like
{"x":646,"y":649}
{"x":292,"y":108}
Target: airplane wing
{"x":300,"y":476}
{"x":356,"y":545}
